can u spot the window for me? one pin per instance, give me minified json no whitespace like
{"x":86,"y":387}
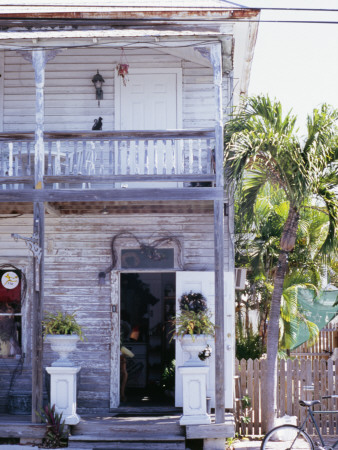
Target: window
{"x":147,"y":258}
{"x":10,"y":313}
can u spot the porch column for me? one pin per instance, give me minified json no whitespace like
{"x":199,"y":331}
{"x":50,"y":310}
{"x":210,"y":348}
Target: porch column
{"x":216,"y":59}
{"x":39,"y":62}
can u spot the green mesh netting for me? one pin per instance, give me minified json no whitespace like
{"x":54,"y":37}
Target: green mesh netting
{"x":318,"y":310}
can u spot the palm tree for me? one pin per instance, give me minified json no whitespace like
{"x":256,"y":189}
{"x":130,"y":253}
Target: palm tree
{"x":261,"y":145}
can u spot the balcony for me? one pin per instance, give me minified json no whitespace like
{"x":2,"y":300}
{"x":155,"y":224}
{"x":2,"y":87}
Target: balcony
{"x":110,"y":160}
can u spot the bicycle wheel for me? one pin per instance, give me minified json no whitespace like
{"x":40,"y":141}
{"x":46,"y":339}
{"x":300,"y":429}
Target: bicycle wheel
{"x":287,"y":437}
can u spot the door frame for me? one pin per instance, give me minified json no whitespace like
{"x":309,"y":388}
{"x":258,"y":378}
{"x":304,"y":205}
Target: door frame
{"x":118,"y":83}
{"x":115,"y":302}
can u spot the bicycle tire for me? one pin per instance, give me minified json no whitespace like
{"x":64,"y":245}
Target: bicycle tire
{"x":287,"y":437}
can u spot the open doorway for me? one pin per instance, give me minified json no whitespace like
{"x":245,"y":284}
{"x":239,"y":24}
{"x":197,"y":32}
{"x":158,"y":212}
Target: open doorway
{"x":147,"y":305}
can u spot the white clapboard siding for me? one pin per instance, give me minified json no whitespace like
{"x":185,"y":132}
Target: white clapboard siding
{"x":70,"y":103}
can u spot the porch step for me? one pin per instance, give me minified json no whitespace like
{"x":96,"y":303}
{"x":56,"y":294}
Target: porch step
{"x":21,"y":430}
{"x":139,"y":433}
{"x":127,"y":441}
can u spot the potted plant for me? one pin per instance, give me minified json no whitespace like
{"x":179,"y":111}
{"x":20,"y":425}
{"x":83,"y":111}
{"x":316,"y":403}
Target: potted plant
{"x":63,"y":332}
{"x":193,"y":325}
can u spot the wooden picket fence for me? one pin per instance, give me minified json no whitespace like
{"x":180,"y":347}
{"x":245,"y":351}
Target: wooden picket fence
{"x":297,"y":379}
{"x":323,"y":347}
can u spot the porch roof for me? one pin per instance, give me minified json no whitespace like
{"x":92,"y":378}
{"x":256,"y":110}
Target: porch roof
{"x":132,"y":9}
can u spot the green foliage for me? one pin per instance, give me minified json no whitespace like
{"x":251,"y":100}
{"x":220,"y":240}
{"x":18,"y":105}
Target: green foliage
{"x":55,"y":435}
{"x":194,"y":317}
{"x":191,"y":322}
{"x":249,"y":347}
{"x":246,"y":409}
{"x":61,"y":323}
{"x":168,"y":377}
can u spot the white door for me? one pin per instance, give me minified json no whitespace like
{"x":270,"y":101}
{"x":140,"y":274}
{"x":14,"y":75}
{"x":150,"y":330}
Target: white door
{"x":204,"y":282}
{"x":150,"y":100}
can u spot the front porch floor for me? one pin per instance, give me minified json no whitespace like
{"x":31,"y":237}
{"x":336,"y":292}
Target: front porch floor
{"x":115,"y":430}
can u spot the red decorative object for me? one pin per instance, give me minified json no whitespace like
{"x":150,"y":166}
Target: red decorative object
{"x":123,"y":68}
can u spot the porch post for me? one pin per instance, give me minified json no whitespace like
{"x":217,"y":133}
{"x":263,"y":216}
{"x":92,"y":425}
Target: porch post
{"x":216,"y":59}
{"x":39,"y":62}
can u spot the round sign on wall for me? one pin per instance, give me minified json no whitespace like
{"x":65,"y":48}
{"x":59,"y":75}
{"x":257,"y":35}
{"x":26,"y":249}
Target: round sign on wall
{"x":10,"y":280}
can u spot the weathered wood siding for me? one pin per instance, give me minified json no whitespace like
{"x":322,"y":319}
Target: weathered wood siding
{"x":70,"y":103}
{"x":76,"y":250}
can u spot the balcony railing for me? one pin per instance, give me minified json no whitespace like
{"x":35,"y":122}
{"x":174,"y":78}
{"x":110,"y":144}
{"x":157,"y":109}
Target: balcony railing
{"x":109,"y":158}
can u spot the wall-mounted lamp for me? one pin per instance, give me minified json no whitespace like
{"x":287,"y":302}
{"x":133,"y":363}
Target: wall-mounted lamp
{"x":102,"y":278}
{"x":98,"y":81}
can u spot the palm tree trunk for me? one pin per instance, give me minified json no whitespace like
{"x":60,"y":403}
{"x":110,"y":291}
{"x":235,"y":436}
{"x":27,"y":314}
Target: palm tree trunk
{"x":288,"y":240}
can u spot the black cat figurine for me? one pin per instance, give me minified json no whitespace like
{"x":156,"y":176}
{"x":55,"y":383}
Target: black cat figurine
{"x":97,"y":124}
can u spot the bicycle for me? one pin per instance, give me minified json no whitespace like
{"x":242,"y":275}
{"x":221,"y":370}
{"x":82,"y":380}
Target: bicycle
{"x":287,"y":437}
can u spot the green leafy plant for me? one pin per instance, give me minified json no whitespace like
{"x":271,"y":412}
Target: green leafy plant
{"x":61,"y":323}
{"x":246,"y":408}
{"x":168,"y":376}
{"x":194,"y":317}
{"x":56,"y":435}
{"x":230,"y":441}
{"x":249,"y":346}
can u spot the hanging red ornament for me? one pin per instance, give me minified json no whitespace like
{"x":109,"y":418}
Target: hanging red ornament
{"x":123,"y":67}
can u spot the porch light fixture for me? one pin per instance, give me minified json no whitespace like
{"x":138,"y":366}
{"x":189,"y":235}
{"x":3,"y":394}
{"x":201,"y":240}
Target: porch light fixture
{"x":102,"y":278}
{"x":98,"y":81}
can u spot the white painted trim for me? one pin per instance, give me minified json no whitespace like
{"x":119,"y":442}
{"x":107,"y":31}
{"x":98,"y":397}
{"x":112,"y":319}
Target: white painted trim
{"x":2,"y":80}
{"x":118,"y":85}
{"x":115,"y":340}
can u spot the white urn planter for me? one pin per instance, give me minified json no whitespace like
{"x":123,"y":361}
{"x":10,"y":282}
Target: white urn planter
{"x":63,"y":344}
{"x":194,"y":345}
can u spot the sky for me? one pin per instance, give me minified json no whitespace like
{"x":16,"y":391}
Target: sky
{"x":296,"y":63}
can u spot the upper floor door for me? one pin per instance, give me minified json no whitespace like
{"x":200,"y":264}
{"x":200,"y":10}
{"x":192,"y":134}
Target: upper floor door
{"x":149,"y":99}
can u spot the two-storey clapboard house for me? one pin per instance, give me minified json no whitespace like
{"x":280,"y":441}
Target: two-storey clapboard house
{"x":116,"y":223}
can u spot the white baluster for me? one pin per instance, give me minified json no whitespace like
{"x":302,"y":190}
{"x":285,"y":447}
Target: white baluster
{"x":101,"y":171}
{"x":199,"y":158}
{"x":173,"y":156}
{"x":164,"y":168}
{"x":119,"y":159}
{"x":10,"y":159}
{"x":146,"y":157}
{"x":19,"y":162}
{"x":112,"y":168}
{"x":155,"y":169}
{"x":128,"y":158}
{"x":57,"y":165}
{"x":137,"y":158}
{"x":49,"y":159}
{"x":29,"y":157}
{"x":191,"y":156}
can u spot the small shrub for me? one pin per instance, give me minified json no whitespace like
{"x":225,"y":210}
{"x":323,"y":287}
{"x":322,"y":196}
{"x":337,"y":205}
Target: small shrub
{"x":249,"y":347}
{"x":55,"y":435}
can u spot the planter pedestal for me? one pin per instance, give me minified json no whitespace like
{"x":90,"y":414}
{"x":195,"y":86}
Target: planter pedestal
{"x":194,"y":380}
{"x":194,"y":395}
{"x":63,"y":392}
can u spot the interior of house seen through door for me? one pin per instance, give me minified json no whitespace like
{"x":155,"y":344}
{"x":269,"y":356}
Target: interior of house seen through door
{"x":147,"y":368}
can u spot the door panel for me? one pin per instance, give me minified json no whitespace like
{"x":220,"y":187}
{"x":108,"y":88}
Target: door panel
{"x":204,"y":282}
{"x":149,"y":101}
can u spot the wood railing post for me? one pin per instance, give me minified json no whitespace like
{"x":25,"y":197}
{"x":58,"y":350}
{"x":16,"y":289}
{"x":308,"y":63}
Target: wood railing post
{"x":216,"y":59}
{"x":39,"y":62}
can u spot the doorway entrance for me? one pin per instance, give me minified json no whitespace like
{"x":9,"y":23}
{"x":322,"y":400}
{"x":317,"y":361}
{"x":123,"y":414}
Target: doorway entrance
{"x":146,"y":307}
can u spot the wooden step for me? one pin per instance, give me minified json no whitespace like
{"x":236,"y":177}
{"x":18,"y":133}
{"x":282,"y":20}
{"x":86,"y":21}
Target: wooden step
{"x":160,"y":442}
{"x":128,"y":425}
{"x":128,"y":445}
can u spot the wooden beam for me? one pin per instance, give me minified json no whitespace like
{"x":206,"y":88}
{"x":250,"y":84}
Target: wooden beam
{"x":124,"y":135}
{"x":97,"y":195}
{"x":50,"y":179}
{"x":216,"y":59}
